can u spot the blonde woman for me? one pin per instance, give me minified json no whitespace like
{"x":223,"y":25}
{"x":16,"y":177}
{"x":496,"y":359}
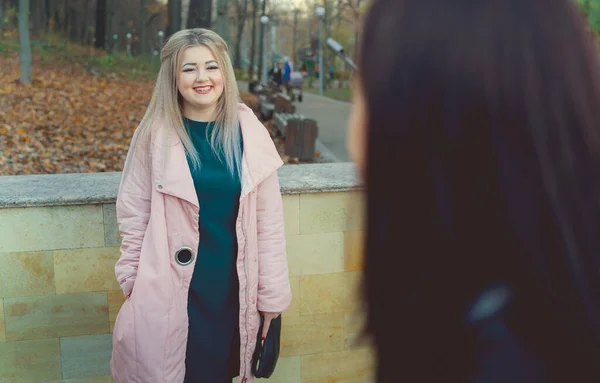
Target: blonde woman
{"x":200,"y":213}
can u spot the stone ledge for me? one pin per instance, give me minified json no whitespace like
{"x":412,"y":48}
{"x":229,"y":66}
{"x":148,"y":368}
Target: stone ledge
{"x":99,"y":188}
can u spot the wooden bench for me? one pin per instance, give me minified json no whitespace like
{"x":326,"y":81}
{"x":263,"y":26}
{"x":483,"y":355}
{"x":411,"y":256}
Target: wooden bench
{"x":283,"y":104}
{"x":300,"y":135}
{"x":267,"y":108}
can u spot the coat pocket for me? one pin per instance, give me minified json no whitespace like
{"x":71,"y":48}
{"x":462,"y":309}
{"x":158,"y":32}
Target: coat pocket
{"x":124,"y":355}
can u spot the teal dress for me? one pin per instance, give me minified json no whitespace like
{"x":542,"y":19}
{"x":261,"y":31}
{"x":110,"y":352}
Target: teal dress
{"x":213,"y":348}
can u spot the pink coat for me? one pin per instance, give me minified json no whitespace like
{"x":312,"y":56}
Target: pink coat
{"x":157,"y":213}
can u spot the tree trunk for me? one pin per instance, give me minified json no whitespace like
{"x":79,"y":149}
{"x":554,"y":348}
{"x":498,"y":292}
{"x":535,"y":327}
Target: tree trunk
{"x":109,"y":26}
{"x":241,"y":19}
{"x":143,"y":34}
{"x":25,"y":45}
{"x":100,"y":42}
{"x":327,"y":20}
{"x":14,"y":4}
{"x":36,"y":17}
{"x":83,"y":26}
{"x":185,"y":10}
{"x":200,"y":14}
{"x":253,"y":41}
{"x":47,"y":14}
{"x":73,"y":27}
{"x":174,"y":8}
{"x":237,"y":64}
{"x":222,"y":27}
{"x":66,"y":17}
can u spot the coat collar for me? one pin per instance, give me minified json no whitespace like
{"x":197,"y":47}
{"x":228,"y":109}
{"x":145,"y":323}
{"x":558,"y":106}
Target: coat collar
{"x":172,"y":173}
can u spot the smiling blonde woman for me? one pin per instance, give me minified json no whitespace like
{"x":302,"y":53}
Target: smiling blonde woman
{"x":200,"y":213}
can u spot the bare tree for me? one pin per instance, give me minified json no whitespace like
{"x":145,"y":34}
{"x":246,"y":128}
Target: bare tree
{"x":101,"y":10}
{"x":174,"y":9}
{"x":37,"y":15}
{"x":25,"y":45}
{"x":242,"y":13}
{"x":355,"y":7}
{"x":200,"y":14}
{"x":142,"y":26}
{"x":47,"y":14}
{"x":84,"y":30}
{"x":222,"y":15}
{"x":65,"y":24}
{"x":253,"y":18}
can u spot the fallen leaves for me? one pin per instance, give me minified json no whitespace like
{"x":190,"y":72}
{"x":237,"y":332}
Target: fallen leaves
{"x":69,"y":120}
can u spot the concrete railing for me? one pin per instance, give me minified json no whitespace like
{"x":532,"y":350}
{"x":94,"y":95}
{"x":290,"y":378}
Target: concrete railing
{"x":59,"y":243}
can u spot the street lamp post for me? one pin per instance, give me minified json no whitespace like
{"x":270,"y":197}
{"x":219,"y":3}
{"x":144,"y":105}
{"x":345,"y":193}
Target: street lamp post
{"x":115,"y":43}
{"x":161,"y":38}
{"x":129,"y":37}
{"x":263,"y":21}
{"x":273,"y":41}
{"x":294,"y":33}
{"x":320,"y":13}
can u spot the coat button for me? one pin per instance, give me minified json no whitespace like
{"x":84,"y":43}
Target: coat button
{"x":184,"y":256}
{"x":160,"y":186}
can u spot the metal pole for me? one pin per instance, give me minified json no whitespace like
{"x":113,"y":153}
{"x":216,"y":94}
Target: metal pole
{"x":294,"y":38}
{"x":321,"y":79}
{"x":264,"y":58}
{"x":273,"y":41}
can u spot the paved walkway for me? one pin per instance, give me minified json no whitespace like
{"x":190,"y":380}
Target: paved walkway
{"x":332,"y":118}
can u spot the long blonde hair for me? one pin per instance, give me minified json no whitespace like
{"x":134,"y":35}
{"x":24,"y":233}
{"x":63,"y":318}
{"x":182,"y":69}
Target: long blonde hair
{"x":165,"y":104}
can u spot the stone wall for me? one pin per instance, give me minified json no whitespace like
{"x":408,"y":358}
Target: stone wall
{"x":59,"y":243}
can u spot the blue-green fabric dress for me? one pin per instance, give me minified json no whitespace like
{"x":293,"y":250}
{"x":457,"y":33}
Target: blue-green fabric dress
{"x":213,"y":349}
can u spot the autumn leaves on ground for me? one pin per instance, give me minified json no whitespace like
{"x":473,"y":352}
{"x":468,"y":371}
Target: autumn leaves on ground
{"x":79,"y":114}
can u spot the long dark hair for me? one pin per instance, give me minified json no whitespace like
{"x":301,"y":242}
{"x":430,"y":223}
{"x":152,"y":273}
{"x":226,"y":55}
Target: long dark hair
{"x":482,"y":168}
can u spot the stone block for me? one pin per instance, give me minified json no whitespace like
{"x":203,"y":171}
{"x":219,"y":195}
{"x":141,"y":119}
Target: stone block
{"x":54,"y":316}
{"x":311,"y":334}
{"x":291,"y":213}
{"x":330,"y":212}
{"x":30,"y":361}
{"x":2,"y":327}
{"x":25,"y":274}
{"x":353,"y":250}
{"x":328,"y":293}
{"x":112,"y":238}
{"x":310,"y":254}
{"x":349,"y":366}
{"x":50,"y":228}
{"x":86,"y":270}
{"x":294,"y":308}
{"x":86,"y":356}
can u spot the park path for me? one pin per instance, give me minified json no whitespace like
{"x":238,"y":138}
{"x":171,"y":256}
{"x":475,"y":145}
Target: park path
{"x":332,"y":118}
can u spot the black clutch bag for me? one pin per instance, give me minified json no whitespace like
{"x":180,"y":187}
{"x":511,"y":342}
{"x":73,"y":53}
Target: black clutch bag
{"x":266,"y":352}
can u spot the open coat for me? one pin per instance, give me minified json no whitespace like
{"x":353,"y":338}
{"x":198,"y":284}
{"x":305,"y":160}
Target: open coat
{"x":157,"y":214}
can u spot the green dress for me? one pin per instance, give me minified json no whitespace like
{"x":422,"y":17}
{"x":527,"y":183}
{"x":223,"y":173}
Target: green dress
{"x":213,"y":349}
